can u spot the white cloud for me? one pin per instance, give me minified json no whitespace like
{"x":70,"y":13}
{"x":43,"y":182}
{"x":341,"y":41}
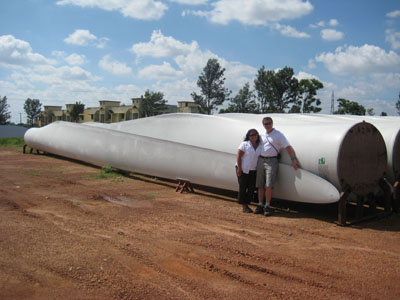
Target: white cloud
{"x":190,"y":2}
{"x":393,"y":38}
{"x":114,"y":67}
{"x":362,"y":92}
{"x":175,"y":91}
{"x":136,"y":9}
{"x":380,"y":106}
{"x":18,"y":52}
{"x":198,"y":13}
{"x":159,"y":72}
{"x":290,"y":31}
{"x":331,"y":35}
{"x":364,"y":59}
{"x":125,"y":92}
{"x":303,"y":75}
{"x":393,"y":14}
{"x":74,"y":73}
{"x":75,"y":59}
{"x":50,"y":75}
{"x":311,"y":64}
{"x":387,"y":79}
{"x":237,"y":74}
{"x":59,"y":54}
{"x":319,"y":24}
{"x":83,"y":37}
{"x":237,"y":69}
{"x":80,"y":37}
{"x":333,"y":22}
{"x":163,"y":46}
{"x":193,"y":63}
{"x":189,"y":59}
{"x":101,"y":42}
{"x":129,"y":90}
{"x":351,"y":92}
{"x":256,"y":12}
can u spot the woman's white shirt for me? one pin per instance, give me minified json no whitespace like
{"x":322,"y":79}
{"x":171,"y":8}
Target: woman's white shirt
{"x":250,"y":156}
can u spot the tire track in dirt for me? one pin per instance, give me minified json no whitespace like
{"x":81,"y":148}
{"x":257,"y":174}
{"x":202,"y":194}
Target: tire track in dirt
{"x":321,"y":281}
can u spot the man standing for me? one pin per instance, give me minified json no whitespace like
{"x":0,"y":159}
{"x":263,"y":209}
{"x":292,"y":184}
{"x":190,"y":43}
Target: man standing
{"x":267,"y":165}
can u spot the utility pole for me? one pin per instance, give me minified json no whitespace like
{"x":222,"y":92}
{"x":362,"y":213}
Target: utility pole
{"x":332,"y":103}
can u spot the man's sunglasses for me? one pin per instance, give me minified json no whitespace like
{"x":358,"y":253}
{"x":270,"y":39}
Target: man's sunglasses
{"x":267,"y":123}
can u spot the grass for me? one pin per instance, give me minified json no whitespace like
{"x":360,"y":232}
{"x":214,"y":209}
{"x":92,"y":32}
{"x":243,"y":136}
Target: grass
{"x":12,"y":142}
{"x":61,"y":169}
{"x":30,"y":172}
{"x":151,"y":196}
{"x":107,"y":172}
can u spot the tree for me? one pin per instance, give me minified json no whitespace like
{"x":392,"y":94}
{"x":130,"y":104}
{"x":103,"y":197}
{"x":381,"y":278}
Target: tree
{"x":76,"y":110}
{"x":4,"y":113}
{"x":286,"y":88}
{"x":276,"y":90}
{"x":383,"y":114}
{"x":307,"y":90}
{"x":32,"y":109}
{"x":211,"y":83}
{"x":349,"y":107}
{"x":370,"y":112}
{"x":398,"y":105}
{"x":153,"y":103}
{"x":264,"y":88}
{"x":243,"y":102}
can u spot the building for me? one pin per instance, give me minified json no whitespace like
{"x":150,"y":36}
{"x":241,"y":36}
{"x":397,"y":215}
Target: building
{"x":188,"y":107}
{"x":102,"y":114}
{"x":109,"y":111}
{"x":56,"y":113}
{"x":50,"y":114}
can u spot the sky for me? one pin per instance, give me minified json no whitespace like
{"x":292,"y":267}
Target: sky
{"x":63,"y":51}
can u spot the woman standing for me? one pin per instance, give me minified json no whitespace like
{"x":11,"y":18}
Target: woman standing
{"x":247,"y":156}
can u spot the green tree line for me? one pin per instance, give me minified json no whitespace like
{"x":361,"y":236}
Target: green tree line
{"x":274,"y":92}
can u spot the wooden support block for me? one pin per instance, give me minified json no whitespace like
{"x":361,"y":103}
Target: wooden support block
{"x":184,"y":186}
{"x":372,"y":203}
{"x":396,"y":197}
{"x":386,"y":187}
{"x":360,"y":207}
{"x":342,"y":206}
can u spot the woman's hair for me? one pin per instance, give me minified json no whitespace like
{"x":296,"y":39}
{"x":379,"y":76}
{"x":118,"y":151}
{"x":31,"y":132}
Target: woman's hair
{"x":247,"y":137}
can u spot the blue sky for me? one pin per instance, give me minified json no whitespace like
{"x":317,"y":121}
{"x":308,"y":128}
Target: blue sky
{"x":89,"y":50}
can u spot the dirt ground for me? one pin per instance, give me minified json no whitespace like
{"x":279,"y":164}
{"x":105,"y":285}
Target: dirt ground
{"x":65,"y":234}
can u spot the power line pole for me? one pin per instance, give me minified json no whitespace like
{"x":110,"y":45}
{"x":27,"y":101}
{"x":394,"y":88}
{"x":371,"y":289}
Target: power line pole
{"x":332,"y":103}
